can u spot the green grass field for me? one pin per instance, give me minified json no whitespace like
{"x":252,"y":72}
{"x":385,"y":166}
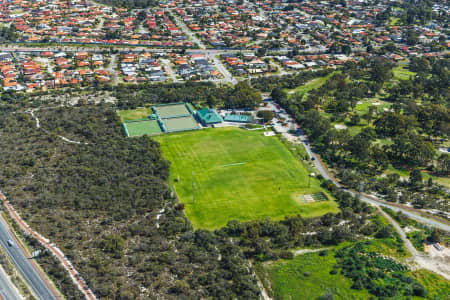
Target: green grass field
{"x":288,"y":280}
{"x":238,"y":174}
{"x":135,"y":114}
{"x":438,"y":287}
{"x":312,"y":84}
{"x":149,"y":127}
{"x":402,"y":73}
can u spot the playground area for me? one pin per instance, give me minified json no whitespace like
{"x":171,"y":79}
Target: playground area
{"x":162,"y":118}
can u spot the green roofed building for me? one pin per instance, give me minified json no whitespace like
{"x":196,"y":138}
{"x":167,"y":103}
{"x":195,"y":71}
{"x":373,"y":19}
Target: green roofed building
{"x":209,"y":116}
{"x":238,"y":118}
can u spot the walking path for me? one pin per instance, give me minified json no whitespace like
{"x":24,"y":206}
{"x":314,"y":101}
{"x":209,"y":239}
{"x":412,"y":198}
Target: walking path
{"x":264,"y":294}
{"x":303,"y":251}
{"x":75,"y":276}
{"x":38,"y":125}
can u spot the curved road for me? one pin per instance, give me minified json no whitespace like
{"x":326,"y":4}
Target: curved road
{"x":24,"y":264}
{"x":324,"y":172}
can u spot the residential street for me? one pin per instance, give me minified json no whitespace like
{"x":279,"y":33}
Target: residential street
{"x":228,"y":77}
{"x":187,"y":31}
{"x":115,"y":79}
{"x":172,"y":74}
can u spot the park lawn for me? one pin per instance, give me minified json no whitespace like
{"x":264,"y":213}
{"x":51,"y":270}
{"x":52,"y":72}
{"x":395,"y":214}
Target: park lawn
{"x":288,"y":280}
{"x":238,"y":174}
{"x":437,"y":286}
{"x":363,"y":108}
{"x":389,"y":247}
{"x":393,"y":21}
{"x":401,"y":73}
{"x":135,"y":114}
{"x":312,"y":84}
{"x":443,"y":180}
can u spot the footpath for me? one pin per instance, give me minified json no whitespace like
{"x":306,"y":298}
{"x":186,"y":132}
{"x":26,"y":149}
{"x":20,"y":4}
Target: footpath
{"x":76,"y":277}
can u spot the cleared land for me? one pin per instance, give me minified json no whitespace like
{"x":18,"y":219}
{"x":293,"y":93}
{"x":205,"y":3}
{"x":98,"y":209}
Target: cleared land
{"x":149,"y":127}
{"x":288,"y":280}
{"x":308,"y":276}
{"x":238,"y":174}
{"x":402,"y":73}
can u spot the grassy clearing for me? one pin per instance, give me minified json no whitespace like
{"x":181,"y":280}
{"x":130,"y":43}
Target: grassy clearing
{"x":135,"y":114}
{"x":288,"y":280}
{"x":308,"y":276}
{"x":445,"y":181}
{"x":390,"y":247}
{"x":238,"y":174}
{"x":312,"y":84}
{"x":438,"y":287}
{"x":402,"y":73}
{"x":393,"y":21}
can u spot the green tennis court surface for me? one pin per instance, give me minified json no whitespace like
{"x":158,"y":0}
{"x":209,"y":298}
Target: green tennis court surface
{"x":180,"y":124}
{"x":165,"y":111}
{"x":138,"y":128}
{"x":238,"y":174}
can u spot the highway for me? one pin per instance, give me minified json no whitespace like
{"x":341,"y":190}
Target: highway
{"x":7,"y":289}
{"x":24,"y":264}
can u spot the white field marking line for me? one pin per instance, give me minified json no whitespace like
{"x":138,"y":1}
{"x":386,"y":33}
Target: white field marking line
{"x":235,"y":164}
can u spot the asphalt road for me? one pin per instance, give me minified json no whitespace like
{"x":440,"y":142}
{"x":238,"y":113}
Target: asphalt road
{"x":7,"y":289}
{"x":410,"y":214}
{"x":187,"y":31}
{"x":23,"y":264}
{"x":223,"y":70}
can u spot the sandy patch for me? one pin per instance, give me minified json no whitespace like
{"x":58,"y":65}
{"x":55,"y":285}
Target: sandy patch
{"x":340,"y":127}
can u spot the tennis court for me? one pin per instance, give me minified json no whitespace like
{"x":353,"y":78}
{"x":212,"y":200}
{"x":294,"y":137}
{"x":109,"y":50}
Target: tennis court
{"x":149,"y":127}
{"x":180,"y":124}
{"x":173,"y":110}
